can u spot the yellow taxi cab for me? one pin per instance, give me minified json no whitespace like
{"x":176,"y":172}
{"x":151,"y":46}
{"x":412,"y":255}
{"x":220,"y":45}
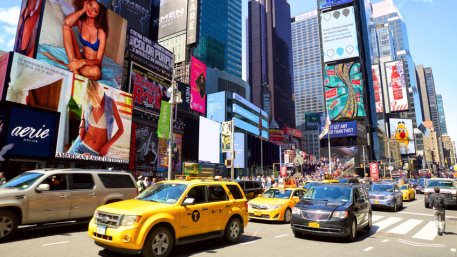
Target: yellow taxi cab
{"x":330,"y":181}
{"x":171,"y":213}
{"x":408,"y":192}
{"x":275,"y":204}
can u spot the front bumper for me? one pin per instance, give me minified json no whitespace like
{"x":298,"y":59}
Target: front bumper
{"x":382,"y":203}
{"x":115,"y":239}
{"x":332,"y":227}
{"x":275,"y":214}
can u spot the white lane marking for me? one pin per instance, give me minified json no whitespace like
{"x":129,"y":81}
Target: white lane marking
{"x":386,"y":223}
{"x":453,"y":250}
{"x":376,"y":218}
{"x":385,"y":240}
{"x":428,"y":232}
{"x":416,"y":202}
{"x":58,"y":243}
{"x":368,"y":249}
{"x":248,"y":243}
{"x":424,"y":214}
{"x":281,"y":236}
{"x":405,"y":227}
{"x":420,"y":244}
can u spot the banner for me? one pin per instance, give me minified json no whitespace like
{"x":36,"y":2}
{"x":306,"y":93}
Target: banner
{"x":147,"y":144}
{"x":216,"y":106}
{"x":28,"y":27}
{"x":3,"y":68}
{"x":374,"y":171}
{"x":73,"y":45}
{"x":137,"y":12}
{"x":326,"y":128}
{"x":148,"y":89}
{"x":198,"y":85}
{"x":163,"y":129}
{"x":226,"y":137}
{"x":344,"y":91}
{"x":239,"y":151}
{"x":401,"y":130}
{"x":377,"y":84}
{"x":192,"y":22}
{"x":172,"y":17}
{"x":396,"y":86}
{"x":185,"y":95}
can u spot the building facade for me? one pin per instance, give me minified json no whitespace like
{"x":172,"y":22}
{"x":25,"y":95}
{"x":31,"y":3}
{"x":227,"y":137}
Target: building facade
{"x":441,"y":115}
{"x":217,"y":81}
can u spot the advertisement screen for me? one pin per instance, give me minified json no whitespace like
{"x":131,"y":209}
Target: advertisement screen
{"x":172,"y":17}
{"x":185,"y":95}
{"x":374,"y":171}
{"x":344,"y":91}
{"x":148,"y":89}
{"x":34,"y":136}
{"x":28,"y":27}
{"x":209,"y":138}
{"x":68,"y":42}
{"x":396,"y":86}
{"x":3,"y":67}
{"x":239,"y":151}
{"x":343,"y":158}
{"x":216,"y":107}
{"x":147,"y":143}
{"x":401,"y":130}
{"x":137,"y":12}
{"x":226,"y":137}
{"x":314,"y":120}
{"x":339,"y":35}
{"x":198,"y":85}
{"x":377,"y":84}
{"x":343,"y":129}
{"x":330,"y":3}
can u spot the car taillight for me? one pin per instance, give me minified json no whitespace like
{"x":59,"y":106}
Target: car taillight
{"x":246,"y":204}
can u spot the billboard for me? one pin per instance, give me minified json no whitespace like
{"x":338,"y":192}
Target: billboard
{"x":68,"y":42}
{"x":137,"y":12}
{"x":198,"y":85}
{"x":401,"y":130}
{"x":342,"y":129}
{"x":239,"y":151}
{"x":185,"y":95}
{"x":3,"y":67}
{"x":172,"y":17}
{"x":3,"y":127}
{"x":339,"y":34}
{"x":32,"y":132}
{"x":226,"y":137}
{"x":344,"y":91}
{"x":192,"y":22}
{"x":209,"y":138}
{"x":377,"y":84}
{"x":396,"y":86}
{"x":314,"y":120}
{"x":374,"y":171}
{"x":28,"y":27}
{"x":216,"y":106}
{"x":148,"y":89}
{"x":331,"y":3}
{"x":276,"y":135}
{"x":147,"y":143}
{"x":343,"y":158}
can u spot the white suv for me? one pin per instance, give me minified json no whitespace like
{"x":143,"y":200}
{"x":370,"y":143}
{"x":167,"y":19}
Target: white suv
{"x":49,"y":195}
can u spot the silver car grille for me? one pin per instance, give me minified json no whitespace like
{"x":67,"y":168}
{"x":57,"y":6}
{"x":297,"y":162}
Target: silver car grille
{"x":108,"y":219}
{"x":316,"y":215}
{"x":259,"y":207}
{"x":380,"y":197}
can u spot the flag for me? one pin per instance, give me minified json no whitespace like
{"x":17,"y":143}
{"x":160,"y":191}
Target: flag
{"x":163,"y":128}
{"x":326,"y":128}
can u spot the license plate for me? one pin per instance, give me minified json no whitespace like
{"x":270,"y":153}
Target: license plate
{"x":101,"y":230}
{"x":257,"y":213}
{"x":314,"y":225}
{"x":376,"y":201}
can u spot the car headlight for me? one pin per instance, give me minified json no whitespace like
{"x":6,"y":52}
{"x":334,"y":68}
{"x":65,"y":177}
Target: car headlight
{"x":249,"y":205}
{"x":389,"y":197}
{"x":130,"y":220}
{"x":340,"y":214}
{"x":272,"y":207}
{"x":295,"y":210}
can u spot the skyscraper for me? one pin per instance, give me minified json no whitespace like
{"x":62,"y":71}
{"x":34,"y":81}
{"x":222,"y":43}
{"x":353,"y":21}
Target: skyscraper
{"x":442,"y":117}
{"x":431,"y":92}
{"x":270,"y":59}
{"x":423,"y":91}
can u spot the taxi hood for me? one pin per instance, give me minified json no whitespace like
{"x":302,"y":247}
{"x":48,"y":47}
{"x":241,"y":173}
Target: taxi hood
{"x":133,"y":207}
{"x":268,"y":201}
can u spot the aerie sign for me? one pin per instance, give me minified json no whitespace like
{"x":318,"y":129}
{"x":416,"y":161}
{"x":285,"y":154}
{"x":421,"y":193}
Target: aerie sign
{"x":30,"y":132}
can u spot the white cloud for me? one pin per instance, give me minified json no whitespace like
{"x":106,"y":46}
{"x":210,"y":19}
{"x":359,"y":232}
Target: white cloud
{"x":10,"y":15}
{"x":10,"y":43}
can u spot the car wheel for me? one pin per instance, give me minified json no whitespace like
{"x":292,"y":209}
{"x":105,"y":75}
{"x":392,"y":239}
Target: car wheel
{"x":370,"y":222}
{"x":353,"y":232}
{"x":8,"y":225}
{"x":297,"y":234}
{"x":414,"y":197}
{"x":159,"y":243}
{"x":426,"y":205}
{"x":287,"y":215}
{"x":233,"y":230}
{"x":394,"y":209}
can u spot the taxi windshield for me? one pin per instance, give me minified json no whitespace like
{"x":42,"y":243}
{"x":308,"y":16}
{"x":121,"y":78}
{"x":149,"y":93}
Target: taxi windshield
{"x":163,"y":193}
{"x":404,"y":187}
{"x":276,"y":193}
{"x":23,"y":181}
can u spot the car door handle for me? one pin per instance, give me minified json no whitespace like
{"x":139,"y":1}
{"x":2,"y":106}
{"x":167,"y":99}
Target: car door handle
{"x":92,"y":194}
{"x":228,"y":206}
{"x":204,"y":209}
{"x":63,"y":196}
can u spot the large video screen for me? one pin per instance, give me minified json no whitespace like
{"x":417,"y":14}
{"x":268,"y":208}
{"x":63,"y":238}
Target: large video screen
{"x":344,"y":91}
{"x":85,"y":38}
{"x":401,"y":130}
{"x":396,"y":86}
{"x":198,"y":85}
{"x":209,"y":146}
{"x":339,"y":34}
{"x":172,"y":17}
{"x":378,"y":92}
{"x":343,"y":158}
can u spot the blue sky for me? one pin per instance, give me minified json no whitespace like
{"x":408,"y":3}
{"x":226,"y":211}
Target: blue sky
{"x":431,"y":31}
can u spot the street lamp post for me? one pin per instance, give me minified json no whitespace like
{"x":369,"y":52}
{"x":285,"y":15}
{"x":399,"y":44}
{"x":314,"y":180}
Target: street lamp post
{"x":363,"y":152}
{"x":175,"y":98}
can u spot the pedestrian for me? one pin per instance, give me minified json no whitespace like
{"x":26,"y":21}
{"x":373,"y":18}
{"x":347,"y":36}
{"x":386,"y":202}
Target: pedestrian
{"x":146,"y":182}
{"x":2,"y":178}
{"x":140,"y":184}
{"x":437,"y":203}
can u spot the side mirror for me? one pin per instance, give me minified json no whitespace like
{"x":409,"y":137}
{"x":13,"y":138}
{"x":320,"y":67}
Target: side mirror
{"x":43,"y":187}
{"x":188,"y":201}
{"x":360,"y":201}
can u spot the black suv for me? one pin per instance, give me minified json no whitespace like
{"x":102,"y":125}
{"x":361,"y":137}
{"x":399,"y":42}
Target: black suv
{"x":251,"y":188}
{"x":333,"y":209}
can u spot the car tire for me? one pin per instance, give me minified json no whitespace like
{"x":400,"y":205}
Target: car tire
{"x":414,"y":197}
{"x":8,"y":225}
{"x":426,"y":205}
{"x":395,"y":208}
{"x":297,"y":234}
{"x":287,"y":215}
{"x":367,"y":228}
{"x":159,"y":242}
{"x":233,"y":230}
{"x":353,"y":231}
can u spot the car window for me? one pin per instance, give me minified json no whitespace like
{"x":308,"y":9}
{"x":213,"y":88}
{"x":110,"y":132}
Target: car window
{"x":329,"y":193}
{"x":81,"y":181}
{"x":298,"y":193}
{"x":276,"y":193}
{"x":249,"y":185}
{"x":235,"y":191}
{"x":217,"y":193}
{"x":23,"y":181}
{"x":257,"y":186}
{"x":163,"y":193}
{"x":382,"y":188}
{"x":440,"y":183}
{"x":199,"y":194}
{"x":56,"y":182}
{"x":116,"y":181}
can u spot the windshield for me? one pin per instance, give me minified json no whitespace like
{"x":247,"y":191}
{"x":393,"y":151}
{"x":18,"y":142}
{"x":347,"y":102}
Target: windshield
{"x":329,"y":193}
{"x":440,"y":183}
{"x":311,"y":184}
{"x":404,"y":187}
{"x":276,"y":193}
{"x":421,"y":182}
{"x":23,"y":181}
{"x":379,"y":187}
{"x":163,"y":193}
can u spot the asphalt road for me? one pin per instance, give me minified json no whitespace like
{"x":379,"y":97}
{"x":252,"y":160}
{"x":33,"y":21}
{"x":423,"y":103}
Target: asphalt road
{"x":409,"y":232}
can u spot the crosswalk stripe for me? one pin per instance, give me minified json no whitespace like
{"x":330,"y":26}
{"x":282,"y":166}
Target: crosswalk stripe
{"x":386,"y":223}
{"x":405,"y":227}
{"x":376,"y":217}
{"x":428,"y":232}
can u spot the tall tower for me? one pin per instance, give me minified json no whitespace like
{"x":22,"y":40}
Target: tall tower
{"x":442,"y":117}
{"x":270,"y":71}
